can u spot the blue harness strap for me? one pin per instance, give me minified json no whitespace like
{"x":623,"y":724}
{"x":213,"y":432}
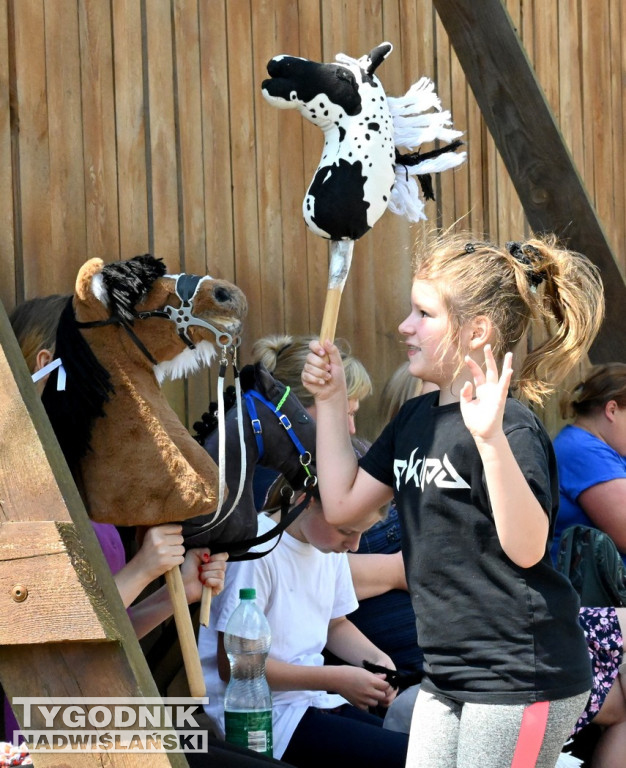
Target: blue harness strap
{"x":250,"y":396}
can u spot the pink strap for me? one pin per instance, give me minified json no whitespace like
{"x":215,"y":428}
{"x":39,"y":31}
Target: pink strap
{"x":531,"y":733}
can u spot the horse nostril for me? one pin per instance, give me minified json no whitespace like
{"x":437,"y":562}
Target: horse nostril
{"x":222,"y":295}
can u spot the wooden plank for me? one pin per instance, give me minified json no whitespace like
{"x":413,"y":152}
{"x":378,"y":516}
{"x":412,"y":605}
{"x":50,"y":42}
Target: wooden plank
{"x":315,"y":250}
{"x":32,"y":150}
{"x":215,"y":123}
{"x":275,"y":145}
{"x":589,"y":83}
{"x":415,"y":28}
{"x":216,"y":139}
{"x":7,"y":242}
{"x":544,"y":19}
{"x":621,"y":177}
{"x":189,"y":123}
{"x":617,"y":202}
{"x":243,"y":160}
{"x":511,"y":221}
{"x":130,"y":128}
{"x":570,"y":86}
{"x":28,"y":601}
{"x":296,"y":155}
{"x":599,"y":98}
{"x":193,"y":226}
{"x":531,"y":146}
{"x":35,"y":485}
{"x":72,"y":670}
{"x":68,"y":236}
{"x":163,"y":170}
{"x":459,"y":108}
{"x":98,"y":117}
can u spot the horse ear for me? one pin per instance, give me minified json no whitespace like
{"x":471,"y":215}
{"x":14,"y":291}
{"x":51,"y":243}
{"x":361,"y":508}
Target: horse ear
{"x":376,"y":57}
{"x":90,"y":300}
{"x":265,"y":382}
{"x":84,"y":288}
{"x":128,"y":282}
{"x":247,"y":377}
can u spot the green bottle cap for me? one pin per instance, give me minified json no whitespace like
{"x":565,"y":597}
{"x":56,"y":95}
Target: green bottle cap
{"x":247,"y":593}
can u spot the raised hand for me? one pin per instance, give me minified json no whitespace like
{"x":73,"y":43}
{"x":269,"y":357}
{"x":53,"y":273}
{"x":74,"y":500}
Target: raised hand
{"x":323,"y":373}
{"x":482,"y":404}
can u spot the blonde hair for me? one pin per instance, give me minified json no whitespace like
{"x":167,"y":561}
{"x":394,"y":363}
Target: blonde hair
{"x":512,"y":286}
{"x":284,"y":357}
{"x":601,"y":384}
{"x":35,"y":323}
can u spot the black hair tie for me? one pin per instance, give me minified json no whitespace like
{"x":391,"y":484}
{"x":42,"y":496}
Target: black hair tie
{"x":528,"y":256}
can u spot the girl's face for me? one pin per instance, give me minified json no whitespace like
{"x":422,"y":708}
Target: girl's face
{"x":424,"y":331}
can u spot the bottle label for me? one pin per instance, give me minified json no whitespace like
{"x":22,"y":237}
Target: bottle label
{"x":252,"y":730}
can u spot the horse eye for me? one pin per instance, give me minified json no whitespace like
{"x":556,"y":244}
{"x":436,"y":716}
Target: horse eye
{"x":221,"y":295}
{"x":345,"y":74}
{"x":302,"y":418}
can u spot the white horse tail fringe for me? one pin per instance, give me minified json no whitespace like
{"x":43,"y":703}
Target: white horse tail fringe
{"x":417,"y":119}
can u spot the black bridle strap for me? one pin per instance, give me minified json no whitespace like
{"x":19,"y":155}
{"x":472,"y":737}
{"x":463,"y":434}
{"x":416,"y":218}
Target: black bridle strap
{"x":286,"y":518}
{"x":133,"y":336}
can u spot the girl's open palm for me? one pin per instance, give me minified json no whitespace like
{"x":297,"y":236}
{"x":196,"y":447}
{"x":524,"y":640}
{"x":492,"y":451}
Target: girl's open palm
{"x":483,"y":412}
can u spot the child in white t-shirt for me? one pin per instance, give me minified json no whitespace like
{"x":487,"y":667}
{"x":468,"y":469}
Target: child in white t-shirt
{"x":305,"y":589}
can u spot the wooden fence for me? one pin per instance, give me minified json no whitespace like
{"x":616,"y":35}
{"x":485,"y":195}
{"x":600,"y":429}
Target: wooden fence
{"x":129,"y":126}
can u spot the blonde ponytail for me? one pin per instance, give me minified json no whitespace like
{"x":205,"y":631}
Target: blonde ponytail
{"x":571,"y":303}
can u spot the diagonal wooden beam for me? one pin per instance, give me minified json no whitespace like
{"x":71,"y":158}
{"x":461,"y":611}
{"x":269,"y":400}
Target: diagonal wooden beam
{"x":64,"y":632}
{"x":525,"y":132}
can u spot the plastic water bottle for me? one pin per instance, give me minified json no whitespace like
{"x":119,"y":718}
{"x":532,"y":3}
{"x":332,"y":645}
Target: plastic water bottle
{"x":248,"y":701}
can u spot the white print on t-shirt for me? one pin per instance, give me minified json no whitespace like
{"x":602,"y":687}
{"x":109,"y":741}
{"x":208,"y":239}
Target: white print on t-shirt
{"x":423,"y":471}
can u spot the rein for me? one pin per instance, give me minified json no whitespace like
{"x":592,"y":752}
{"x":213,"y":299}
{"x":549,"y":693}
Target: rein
{"x":286,"y":518}
{"x":117,"y":320}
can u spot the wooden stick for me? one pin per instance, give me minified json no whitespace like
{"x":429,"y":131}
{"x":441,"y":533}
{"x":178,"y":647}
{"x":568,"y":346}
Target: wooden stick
{"x":205,"y":605}
{"x":186,"y":635}
{"x":331,"y":313}
{"x":338,"y":268}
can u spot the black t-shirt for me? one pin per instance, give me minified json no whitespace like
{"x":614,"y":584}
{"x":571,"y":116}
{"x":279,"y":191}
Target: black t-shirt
{"x":491,"y":631}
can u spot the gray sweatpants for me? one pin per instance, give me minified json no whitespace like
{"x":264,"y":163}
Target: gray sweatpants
{"x":449,"y":734}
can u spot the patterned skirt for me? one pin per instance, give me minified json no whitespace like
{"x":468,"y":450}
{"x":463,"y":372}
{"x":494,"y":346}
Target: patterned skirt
{"x":606,"y":651}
